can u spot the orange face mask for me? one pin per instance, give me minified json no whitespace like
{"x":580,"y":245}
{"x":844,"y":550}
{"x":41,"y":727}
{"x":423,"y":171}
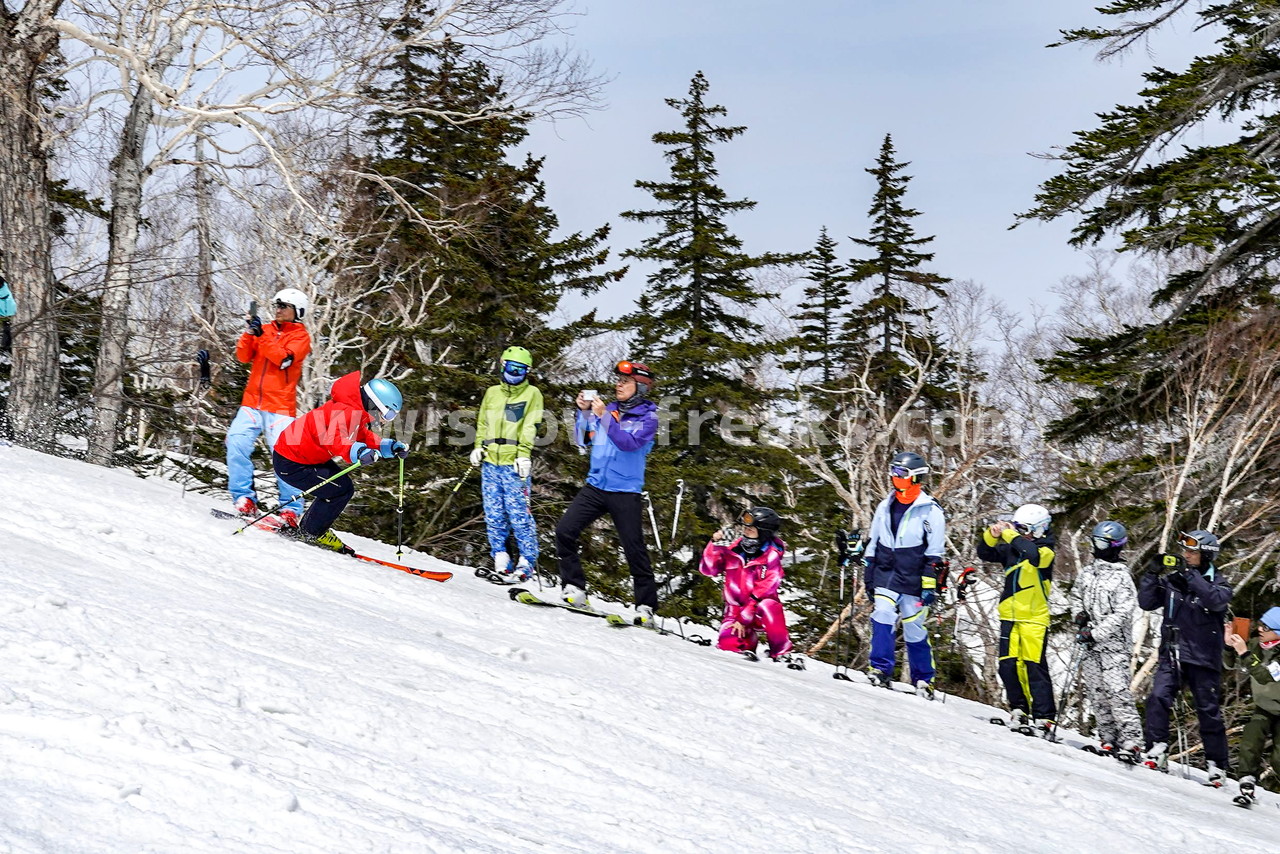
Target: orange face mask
{"x":907,"y":491}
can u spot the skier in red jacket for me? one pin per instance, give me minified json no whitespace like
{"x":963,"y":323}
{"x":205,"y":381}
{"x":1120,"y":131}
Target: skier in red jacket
{"x":326,"y":440}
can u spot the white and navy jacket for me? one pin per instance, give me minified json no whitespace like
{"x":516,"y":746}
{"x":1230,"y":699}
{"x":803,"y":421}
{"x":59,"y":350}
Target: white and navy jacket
{"x":899,"y":562}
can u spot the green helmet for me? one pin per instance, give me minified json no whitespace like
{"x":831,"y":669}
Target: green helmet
{"x":517,"y":354}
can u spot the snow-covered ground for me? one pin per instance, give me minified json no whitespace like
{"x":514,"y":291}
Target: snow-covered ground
{"x":167,"y":687}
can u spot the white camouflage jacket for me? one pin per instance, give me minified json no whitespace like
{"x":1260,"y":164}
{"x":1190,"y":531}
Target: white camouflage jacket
{"x":1105,"y":591}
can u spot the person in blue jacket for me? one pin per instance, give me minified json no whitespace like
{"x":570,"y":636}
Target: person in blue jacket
{"x":8,"y":308}
{"x":620,"y":435}
{"x":902,"y":561}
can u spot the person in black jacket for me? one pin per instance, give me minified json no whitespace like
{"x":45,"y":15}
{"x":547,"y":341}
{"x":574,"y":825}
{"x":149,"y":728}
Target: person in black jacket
{"x":1193,"y":602}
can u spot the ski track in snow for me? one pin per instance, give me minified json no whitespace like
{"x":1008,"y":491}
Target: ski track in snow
{"x":168,"y":687}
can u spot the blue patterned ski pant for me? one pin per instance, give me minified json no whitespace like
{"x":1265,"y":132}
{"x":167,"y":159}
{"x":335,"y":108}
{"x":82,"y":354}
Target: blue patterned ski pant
{"x":506,"y":510}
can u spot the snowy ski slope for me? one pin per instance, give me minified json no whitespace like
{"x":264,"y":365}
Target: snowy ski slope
{"x":167,"y":687}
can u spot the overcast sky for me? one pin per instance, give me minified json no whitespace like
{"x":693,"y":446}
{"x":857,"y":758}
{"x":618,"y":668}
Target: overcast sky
{"x":969,"y":91}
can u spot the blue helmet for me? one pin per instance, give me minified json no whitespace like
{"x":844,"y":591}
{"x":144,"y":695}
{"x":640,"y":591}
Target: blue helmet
{"x":1271,"y":619}
{"x":381,"y":396}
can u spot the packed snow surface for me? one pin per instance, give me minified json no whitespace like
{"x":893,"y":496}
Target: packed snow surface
{"x":166,"y":686}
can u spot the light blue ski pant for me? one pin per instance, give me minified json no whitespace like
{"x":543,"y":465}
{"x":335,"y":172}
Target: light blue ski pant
{"x":248,"y":425}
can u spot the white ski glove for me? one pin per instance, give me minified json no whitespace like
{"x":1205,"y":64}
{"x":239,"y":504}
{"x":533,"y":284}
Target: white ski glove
{"x":524,"y":465}
{"x":477,"y":456}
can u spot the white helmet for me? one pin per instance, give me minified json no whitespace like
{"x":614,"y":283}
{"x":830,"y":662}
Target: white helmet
{"x":1031,"y":520}
{"x":293,"y":297}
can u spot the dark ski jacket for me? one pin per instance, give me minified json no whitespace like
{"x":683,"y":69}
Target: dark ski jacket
{"x":1196,"y":617}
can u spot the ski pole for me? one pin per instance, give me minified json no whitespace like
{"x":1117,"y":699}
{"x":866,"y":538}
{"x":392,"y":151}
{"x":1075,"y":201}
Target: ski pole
{"x":303,"y":494}
{"x":1073,"y":672}
{"x":400,"y":514}
{"x":675,"y":518}
{"x":653,"y":521}
{"x":845,"y":558}
{"x":461,"y":478}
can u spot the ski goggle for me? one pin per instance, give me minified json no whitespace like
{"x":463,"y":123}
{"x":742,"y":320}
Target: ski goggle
{"x":629,"y":369}
{"x":1189,"y":542}
{"x":903,"y":471}
{"x":1106,"y":543}
{"x":516,"y":369}
{"x":280,"y":305}
{"x":747,"y":519}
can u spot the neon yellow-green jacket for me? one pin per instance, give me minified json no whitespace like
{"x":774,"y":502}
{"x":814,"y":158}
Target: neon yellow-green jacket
{"x":507,"y":422}
{"x":1028,"y":574}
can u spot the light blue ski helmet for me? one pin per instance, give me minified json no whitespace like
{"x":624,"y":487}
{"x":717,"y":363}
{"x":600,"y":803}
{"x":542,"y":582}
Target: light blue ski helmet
{"x":382,"y":397}
{"x":1271,"y":619}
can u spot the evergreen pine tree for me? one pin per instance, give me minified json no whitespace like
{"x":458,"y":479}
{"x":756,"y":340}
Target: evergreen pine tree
{"x":821,"y":314}
{"x":693,"y":324}
{"x":892,"y":329}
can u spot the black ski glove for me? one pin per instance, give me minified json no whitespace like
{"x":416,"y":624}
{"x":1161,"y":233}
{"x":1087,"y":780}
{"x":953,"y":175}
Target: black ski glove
{"x":255,"y":325}
{"x":1179,"y":581}
{"x":1085,"y":636}
{"x":202,"y":359}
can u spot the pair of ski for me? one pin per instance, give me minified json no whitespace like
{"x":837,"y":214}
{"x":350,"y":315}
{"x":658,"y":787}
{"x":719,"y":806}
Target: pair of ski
{"x":1125,"y":757}
{"x":524,"y":597}
{"x":793,"y":661}
{"x":1023,"y":729}
{"x":276,"y":525}
{"x":890,"y":685}
{"x":497,"y":578}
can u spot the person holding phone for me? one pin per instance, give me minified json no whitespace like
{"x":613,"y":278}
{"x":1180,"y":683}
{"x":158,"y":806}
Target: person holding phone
{"x":752,"y":570}
{"x":620,"y":435}
{"x":1187,"y":589}
{"x":1025,"y":547}
{"x":506,"y":427}
{"x":275,"y":351}
{"x":1260,"y":658}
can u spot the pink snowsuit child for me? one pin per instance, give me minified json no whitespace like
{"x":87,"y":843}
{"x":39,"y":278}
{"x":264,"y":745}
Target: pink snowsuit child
{"x":750,"y":595}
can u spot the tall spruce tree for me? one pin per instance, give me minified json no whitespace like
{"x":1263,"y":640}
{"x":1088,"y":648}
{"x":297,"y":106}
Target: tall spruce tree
{"x":693,"y":322}
{"x":820,"y":316}
{"x":479,"y":245}
{"x":892,"y":328}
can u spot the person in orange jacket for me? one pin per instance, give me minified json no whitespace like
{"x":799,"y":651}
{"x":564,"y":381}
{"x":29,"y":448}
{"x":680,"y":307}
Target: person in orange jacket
{"x":319,"y":445}
{"x":270,"y":400}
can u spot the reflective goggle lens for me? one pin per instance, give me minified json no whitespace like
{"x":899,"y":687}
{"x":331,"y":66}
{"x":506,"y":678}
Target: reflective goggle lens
{"x":625,"y":368}
{"x":515,"y":368}
{"x":748,"y":519}
{"x":899,"y":471}
{"x":1188,"y":542}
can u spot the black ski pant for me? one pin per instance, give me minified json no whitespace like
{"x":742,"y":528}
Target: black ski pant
{"x":1023,"y":647}
{"x":326,"y":503}
{"x":1205,"y":685}
{"x":624,"y":508}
